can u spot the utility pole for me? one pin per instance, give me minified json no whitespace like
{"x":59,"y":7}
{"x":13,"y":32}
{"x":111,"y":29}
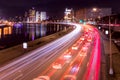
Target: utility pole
{"x":110,"y":51}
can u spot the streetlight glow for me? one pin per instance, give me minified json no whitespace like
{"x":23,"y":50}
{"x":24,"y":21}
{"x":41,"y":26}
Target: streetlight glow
{"x":107,"y":32}
{"x":94,"y":9}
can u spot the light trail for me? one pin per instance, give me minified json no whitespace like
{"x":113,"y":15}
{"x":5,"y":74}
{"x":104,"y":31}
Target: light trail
{"x":93,"y":70}
{"x":72,"y":71}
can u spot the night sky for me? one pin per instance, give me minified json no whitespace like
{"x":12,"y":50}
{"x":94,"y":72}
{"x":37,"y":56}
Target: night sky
{"x":52,"y":7}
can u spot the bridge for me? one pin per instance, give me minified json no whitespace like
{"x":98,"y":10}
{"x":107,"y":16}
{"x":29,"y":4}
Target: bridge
{"x":113,"y":27}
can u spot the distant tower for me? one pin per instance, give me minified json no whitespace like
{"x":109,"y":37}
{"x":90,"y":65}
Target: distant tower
{"x":69,"y":15}
{"x":37,"y":16}
{"x":43,"y":16}
{"x":32,"y":15}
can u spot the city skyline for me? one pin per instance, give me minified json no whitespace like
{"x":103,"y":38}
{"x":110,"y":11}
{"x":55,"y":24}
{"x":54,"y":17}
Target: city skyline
{"x":52,"y":7}
{"x":59,"y":40}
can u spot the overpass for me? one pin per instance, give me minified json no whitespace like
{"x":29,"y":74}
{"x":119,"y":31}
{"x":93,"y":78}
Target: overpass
{"x":114,"y":27}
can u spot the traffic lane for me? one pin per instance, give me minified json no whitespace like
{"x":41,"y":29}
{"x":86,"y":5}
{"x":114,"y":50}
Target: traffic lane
{"x":66,"y":54}
{"x":72,"y":69}
{"x":93,"y":69}
{"x":85,"y":63}
{"x":75,"y":65}
{"x":23,"y":64}
{"x":60,"y":72}
{"x":30,"y":68}
{"x":87,"y":45}
{"x":89,"y":41}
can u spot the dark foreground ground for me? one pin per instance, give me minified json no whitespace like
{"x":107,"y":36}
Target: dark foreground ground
{"x":105,"y":60}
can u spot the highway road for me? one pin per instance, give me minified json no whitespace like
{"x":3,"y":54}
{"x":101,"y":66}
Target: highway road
{"x":56,"y":70}
{"x":75,"y":56}
{"x":30,"y":65}
{"x":81,"y":61}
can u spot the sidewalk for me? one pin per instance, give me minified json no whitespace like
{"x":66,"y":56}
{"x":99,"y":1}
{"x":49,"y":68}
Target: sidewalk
{"x":105,"y":60}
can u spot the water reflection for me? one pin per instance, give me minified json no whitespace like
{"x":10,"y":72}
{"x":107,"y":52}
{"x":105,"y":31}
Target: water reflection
{"x":43,"y":30}
{"x":4,"y":31}
{"x":19,"y":33}
{"x":7,"y":30}
{"x":35,"y":31}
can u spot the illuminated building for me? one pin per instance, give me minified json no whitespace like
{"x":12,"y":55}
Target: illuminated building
{"x":36,"y":16}
{"x":92,"y":13}
{"x":69,"y":15}
{"x":43,"y":16}
{"x":32,"y":15}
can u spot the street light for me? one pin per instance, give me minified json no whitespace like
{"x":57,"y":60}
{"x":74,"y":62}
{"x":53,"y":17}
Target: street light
{"x":110,"y":34}
{"x":94,"y":9}
{"x":106,"y":32}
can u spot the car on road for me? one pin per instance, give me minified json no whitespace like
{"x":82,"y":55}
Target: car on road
{"x":69,"y":77}
{"x":42,"y":78}
{"x":75,"y":46}
{"x":58,"y":64}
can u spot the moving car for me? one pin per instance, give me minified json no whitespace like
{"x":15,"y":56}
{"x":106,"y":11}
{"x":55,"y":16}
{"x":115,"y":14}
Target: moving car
{"x":42,"y":78}
{"x":69,"y":77}
{"x":58,"y":64}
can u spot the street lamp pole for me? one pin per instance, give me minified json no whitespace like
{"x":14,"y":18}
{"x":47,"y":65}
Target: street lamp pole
{"x":110,"y":35}
{"x":94,"y":11}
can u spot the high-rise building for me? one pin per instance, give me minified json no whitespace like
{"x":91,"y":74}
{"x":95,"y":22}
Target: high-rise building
{"x":92,"y":13}
{"x":69,"y":15}
{"x":32,"y":15}
{"x":43,"y":16}
{"x":36,"y":16}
